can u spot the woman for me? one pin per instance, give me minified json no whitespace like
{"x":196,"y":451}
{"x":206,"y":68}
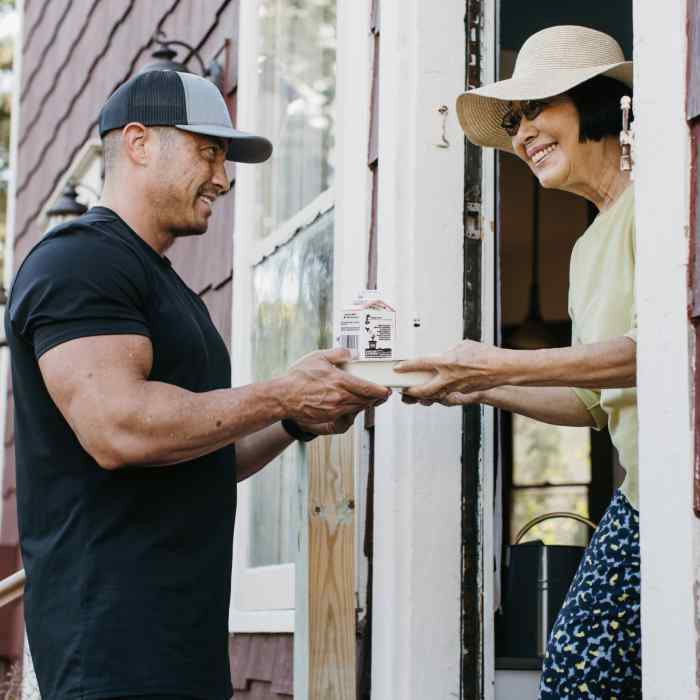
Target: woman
{"x":560,"y":113}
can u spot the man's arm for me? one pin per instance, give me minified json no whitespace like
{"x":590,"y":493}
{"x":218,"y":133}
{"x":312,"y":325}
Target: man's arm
{"x":255,"y":451}
{"x":121,"y":418}
{"x":472,"y":366}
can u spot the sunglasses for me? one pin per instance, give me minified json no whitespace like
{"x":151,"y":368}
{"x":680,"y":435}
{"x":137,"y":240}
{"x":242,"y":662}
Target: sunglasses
{"x":530,"y":109}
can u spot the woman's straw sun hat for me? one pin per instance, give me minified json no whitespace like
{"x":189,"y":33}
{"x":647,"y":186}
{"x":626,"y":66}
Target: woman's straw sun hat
{"x":550,"y":62}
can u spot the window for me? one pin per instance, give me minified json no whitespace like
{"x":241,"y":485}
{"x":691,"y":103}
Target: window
{"x":283,"y":263}
{"x":292,"y":299}
{"x":551,"y":473}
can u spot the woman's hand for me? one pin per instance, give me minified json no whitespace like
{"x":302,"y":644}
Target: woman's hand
{"x":466,"y":368}
{"x":454,"y":399}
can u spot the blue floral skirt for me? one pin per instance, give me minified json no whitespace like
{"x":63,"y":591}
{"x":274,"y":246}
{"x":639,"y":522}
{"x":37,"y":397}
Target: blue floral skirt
{"x":594,"y":650}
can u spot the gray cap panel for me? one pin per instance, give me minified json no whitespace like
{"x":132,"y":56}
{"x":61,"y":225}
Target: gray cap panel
{"x":204,"y":103}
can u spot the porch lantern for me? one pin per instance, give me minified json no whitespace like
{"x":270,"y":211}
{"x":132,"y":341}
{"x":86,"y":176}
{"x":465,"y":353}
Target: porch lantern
{"x":165,"y":58}
{"x":67,"y":207}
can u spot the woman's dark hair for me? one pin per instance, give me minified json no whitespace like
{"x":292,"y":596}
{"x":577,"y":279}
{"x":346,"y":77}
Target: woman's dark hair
{"x":598,"y":104}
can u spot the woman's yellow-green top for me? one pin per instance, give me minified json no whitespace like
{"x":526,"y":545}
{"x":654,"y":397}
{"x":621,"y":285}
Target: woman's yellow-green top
{"x":602,"y":307}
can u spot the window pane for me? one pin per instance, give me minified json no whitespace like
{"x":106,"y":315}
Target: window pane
{"x":550,"y":453}
{"x":296,"y":103}
{"x":529,"y":503}
{"x":293,"y":305}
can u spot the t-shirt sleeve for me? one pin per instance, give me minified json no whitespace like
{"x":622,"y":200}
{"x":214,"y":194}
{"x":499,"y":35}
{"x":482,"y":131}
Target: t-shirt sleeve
{"x":75,"y":285}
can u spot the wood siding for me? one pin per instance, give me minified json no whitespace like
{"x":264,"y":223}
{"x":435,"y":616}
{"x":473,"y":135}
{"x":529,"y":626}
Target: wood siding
{"x":75,"y":53}
{"x":261,"y":666}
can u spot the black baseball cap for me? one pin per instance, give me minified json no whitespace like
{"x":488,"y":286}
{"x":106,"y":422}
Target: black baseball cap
{"x":184,"y":101}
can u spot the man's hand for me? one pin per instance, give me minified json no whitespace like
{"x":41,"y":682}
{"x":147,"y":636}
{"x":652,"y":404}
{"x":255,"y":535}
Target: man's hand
{"x":319,"y":394}
{"x":335,"y":427}
{"x":320,"y":398}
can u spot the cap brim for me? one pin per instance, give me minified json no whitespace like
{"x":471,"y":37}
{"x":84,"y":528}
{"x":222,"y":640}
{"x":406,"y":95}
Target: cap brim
{"x":243,"y":146}
{"x":481,"y":111}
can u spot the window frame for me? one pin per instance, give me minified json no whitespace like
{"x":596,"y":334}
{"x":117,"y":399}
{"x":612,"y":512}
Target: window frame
{"x":262,"y":598}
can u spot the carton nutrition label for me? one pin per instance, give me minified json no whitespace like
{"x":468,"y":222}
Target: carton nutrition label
{"x":369,"y":331}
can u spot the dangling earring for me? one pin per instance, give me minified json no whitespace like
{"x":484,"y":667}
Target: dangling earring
{"x":626,"y":136}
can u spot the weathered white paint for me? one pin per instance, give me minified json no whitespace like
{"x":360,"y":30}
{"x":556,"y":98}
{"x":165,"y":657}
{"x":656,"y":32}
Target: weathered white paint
{"x":417,"y":535}
{"x":353,"y":207}
{"x":669,"y":532}
{"x":262,"y":599}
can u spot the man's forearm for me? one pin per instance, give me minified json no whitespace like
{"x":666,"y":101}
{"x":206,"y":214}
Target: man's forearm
{"x":168,"y":425}
{"x":555,"y":405}
{"x":609,"y":364}
{"x":255,"y":451}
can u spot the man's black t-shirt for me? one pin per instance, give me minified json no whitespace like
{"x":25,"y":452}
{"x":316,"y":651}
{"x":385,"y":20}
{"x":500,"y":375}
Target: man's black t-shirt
{"x":128,"y":571}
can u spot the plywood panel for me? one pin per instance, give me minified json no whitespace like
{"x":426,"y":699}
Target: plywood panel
{"x":330,"y":594}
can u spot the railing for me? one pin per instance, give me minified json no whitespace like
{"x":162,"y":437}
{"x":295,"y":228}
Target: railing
{"x":12,"y":587}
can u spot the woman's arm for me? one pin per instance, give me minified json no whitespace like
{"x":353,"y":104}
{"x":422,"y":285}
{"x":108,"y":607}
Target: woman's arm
{"x":555,"y":405}
{"x":471,"y":366}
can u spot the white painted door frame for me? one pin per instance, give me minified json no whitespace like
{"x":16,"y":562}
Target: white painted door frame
{"x":416,"y":644}
{"x":670,"y":534}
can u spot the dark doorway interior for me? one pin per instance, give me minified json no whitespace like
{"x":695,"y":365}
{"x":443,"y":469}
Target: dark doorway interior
{"x":545,"y":468}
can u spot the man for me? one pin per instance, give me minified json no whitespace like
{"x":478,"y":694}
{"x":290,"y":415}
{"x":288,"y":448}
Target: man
{"x":129,"y":437}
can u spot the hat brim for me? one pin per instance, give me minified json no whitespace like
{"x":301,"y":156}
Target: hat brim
{"x":243,"y":146}
{"x":481,"y":111}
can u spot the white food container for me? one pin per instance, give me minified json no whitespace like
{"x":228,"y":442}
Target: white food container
{"x":382,"y":372}
{"x":369,"y":328}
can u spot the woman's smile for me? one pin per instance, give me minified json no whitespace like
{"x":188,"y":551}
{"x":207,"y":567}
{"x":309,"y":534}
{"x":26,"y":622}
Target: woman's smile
{"x":542,"y":153}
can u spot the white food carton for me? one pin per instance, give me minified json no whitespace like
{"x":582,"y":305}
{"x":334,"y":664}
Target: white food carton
{"x":368,"y":328}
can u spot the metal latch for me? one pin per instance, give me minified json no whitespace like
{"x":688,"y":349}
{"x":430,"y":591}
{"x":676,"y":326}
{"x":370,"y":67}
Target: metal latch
{"x":472,"y":221}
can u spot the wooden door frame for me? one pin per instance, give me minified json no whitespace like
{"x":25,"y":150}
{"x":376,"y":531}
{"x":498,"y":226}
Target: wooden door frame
{"x":477,"y":677}
{"x":417,"y":514}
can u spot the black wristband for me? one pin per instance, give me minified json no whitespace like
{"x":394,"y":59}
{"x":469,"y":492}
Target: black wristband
{"x":295,"y":431}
